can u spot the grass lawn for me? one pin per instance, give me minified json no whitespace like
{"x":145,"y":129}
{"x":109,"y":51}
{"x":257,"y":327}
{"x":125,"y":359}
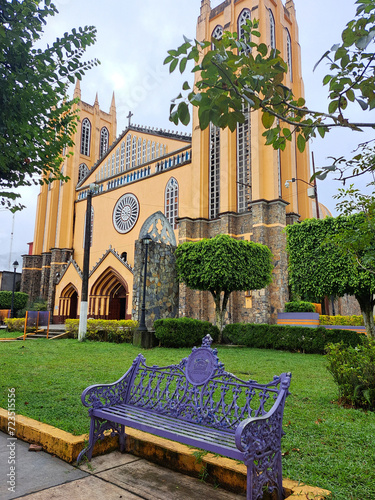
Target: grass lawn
{"x":325,"y":445}
{"x":4,"y":334}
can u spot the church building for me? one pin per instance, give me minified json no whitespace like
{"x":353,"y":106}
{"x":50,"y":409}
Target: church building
{"x":173,"y":187}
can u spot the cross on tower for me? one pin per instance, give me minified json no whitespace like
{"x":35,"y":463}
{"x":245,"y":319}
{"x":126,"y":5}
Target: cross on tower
{"x":129,"y":117}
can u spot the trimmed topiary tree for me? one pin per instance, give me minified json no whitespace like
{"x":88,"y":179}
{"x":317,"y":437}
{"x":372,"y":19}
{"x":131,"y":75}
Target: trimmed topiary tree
{"x":319,"y":265}
{"x":222,"y":265}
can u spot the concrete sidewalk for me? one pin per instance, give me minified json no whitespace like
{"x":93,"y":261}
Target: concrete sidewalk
{"x":41,"y":476}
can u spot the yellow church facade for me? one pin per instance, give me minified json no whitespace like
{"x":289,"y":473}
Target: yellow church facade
{"x":174,"y":187}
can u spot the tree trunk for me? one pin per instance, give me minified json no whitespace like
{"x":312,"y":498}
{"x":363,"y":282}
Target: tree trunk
{"x":220,"y":310}
{"x":366,"y":303}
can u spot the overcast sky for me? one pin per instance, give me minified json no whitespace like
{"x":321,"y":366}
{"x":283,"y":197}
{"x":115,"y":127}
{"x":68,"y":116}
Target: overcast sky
{"x":132,"y":41}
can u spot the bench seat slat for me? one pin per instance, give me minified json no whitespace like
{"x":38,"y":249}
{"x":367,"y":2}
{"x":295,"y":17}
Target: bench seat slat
{"x":215,"y":441}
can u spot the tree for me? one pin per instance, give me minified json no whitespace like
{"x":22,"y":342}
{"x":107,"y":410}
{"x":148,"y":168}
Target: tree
{"x":320,"y":263}
{"x":36,"y":116}
{"x":234,"y":72}
{"x":222,"y":265}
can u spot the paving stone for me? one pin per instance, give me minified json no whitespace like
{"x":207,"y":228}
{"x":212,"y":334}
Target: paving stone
{"x":89,"y":488}
{"x":153,"y":482}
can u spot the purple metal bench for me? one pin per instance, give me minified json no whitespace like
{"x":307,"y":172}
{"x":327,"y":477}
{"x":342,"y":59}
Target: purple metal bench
{"x":199,"y":404}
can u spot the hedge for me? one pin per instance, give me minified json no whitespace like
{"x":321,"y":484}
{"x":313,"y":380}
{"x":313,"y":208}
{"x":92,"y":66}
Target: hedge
{"x":20,"y":300}
{"x":289,"y":338}
{"x":183,"y":332}
{"x":101,"y":330}
{"x":341,"y":320}
{"x":299,"y":306}
{"x":15,"y":324}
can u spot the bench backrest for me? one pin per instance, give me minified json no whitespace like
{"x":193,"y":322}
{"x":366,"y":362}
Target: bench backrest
{"x":200,"y":390}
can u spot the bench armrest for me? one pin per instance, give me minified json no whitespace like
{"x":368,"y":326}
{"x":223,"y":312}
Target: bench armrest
{"x":105,"y":395}
{"x":256,"y":435}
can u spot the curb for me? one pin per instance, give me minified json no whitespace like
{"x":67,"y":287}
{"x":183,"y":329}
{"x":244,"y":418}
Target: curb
{"x":229,"y":473}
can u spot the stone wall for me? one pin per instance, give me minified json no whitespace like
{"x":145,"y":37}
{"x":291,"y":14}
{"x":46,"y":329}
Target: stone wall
{"x":31,"y":275}
{"x":265,"y":224}
{"x":162,"y":290}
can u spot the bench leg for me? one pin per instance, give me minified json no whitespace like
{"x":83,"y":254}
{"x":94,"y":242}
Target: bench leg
{"x":92,"y":440}
{"x":122,"y":438}
{"x":249,"y":482}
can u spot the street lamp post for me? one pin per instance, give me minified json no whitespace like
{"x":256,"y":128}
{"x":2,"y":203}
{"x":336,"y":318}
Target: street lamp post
{"x":86,"y":266}
{"x":311,"y":193}
{"x":15,"y":265}
{"x":142,"y":324}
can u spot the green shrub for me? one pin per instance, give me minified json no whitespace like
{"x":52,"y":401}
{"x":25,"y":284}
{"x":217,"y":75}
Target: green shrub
{"x":101,"y":330}
{"x":299,"y":306}
{"x":20,"y":300}
{"x":15,"y":324}
{"x":183,"y":332}
{"x":353,"y":370}
{"x":288,"y":338}
{"x":341,"y":320}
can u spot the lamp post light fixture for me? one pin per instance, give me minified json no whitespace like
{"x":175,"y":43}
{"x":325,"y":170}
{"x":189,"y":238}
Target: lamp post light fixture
{"x":142,"y":324}
{"x":312,"y":191}
{"x":15,"y":265}
{"x":86,"y":266}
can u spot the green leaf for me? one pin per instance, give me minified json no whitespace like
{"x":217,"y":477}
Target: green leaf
{"x":263,"y":49}
{"x":267,"y":120}
{"x":173,"y":65}
{"x":333,"y":105}
{"x":183,"y":64}
{"x":301,"y":143}
{"x":183,"y":113}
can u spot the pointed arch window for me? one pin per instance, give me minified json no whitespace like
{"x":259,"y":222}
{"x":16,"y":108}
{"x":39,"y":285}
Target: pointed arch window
{"x":217,"y":34}
{"x":272,"y":30}
{"x":289,"y":54}
{"x":122,"y":160}
{"x":117,"y":160}
{"x":139,"y":153}
{"x":128,"y":147}
{"x":144,"y":151}
{"x":113,"y":165}
{"x":104,"y":140}
{"x":148,"y":150}
{"x":214,"y":186}
{"x":242,"y":20}
{"x":134,"y":151}
{"x":244,"y":163}
{"x":85,"y":137}
{"x":83,"y":170}
{"x":171,"y":202}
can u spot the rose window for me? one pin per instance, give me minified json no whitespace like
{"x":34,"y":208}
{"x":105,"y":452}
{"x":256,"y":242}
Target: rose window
{"x":125,"y":213}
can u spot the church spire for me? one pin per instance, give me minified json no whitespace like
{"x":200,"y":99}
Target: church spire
{"x":112,"y":109}
{"x":96,"y":103}
{"x":77,"y":90}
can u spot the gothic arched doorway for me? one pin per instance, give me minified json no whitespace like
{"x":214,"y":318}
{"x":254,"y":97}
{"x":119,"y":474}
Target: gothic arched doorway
{"x":108,"y":297}
{"x":68,"y":303}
